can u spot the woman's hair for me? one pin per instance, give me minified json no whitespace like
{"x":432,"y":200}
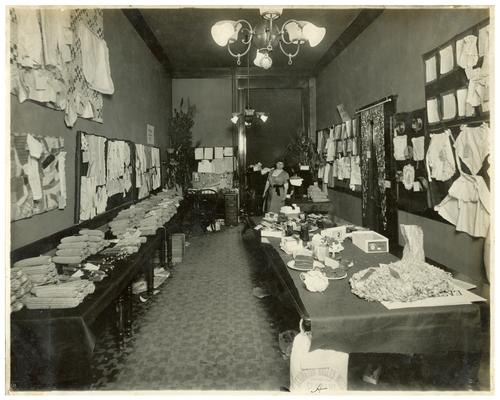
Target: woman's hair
{"x":279,"y":160}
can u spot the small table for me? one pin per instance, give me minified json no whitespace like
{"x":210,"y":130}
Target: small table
{"x":308,"y":206}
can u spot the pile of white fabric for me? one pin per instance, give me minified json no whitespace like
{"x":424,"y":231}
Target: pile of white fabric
{"x":63,"y":295}
{"x":75,"y":249}
{"x":20,"y":286}
{"x":316,"y":194}
{"x":40,"y":270}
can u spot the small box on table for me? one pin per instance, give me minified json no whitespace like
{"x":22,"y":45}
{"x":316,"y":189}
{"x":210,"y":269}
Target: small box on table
{"x":370,"y":241}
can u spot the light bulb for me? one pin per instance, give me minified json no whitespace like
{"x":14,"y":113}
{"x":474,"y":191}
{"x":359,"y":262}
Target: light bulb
{"x":263,"y":117}
{"x":225,"y":31}
{"x":263,"y":60}
{"x":235,"y":118}
{"x":313,"y":34}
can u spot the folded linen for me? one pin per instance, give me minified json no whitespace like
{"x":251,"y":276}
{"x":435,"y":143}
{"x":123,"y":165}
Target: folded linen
{"x":72,"y":245}
{"x":27,"y":262}
{"x":92,"y":232}
{"x":38,"y":303}
{"x":75,"y":238}
{"x":73,"y":252}
{"x":67,"y":259}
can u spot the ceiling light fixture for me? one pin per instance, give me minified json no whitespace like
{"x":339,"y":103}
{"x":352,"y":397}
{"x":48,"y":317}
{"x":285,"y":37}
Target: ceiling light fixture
{"x":249,"y":116}
{"x":266,"y":36}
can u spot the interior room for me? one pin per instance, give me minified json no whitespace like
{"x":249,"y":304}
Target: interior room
{"x":281,"y":199}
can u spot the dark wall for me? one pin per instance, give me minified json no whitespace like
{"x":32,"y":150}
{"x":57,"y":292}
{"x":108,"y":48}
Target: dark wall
{"x":267,"y":142}
{"x":213,"y":101}
{"x":387,"y":59}
{"x":142,"y":96}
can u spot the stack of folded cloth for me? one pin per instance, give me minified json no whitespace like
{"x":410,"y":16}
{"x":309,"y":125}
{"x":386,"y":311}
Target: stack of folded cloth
{"x":316,"y":194}
{"x":20,"y":286}
{"x":303,"y":262}
{"x":40,"y":270}
{"x":151,"y":222}
{"x":130,"y":241}
{"x":75,"y":249}
{"x":129,"y":218}
{"x":63,"y":295}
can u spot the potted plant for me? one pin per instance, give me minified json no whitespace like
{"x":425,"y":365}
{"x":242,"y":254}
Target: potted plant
{"x":180,"y":160}
{"x":301,"y":151}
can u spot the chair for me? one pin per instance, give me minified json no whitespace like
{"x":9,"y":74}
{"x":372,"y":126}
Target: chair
{"x":207,"y":200}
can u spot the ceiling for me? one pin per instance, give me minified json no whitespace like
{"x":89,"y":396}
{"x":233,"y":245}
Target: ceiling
{"x":184,"y":36}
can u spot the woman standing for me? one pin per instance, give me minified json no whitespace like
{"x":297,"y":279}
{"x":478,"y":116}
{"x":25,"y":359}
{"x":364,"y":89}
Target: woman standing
{"x":276,"y":188}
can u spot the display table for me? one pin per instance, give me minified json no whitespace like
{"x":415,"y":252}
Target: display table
{"x":341,"y":321}
{"x":308,"y":206}
{"x":54,"y":347}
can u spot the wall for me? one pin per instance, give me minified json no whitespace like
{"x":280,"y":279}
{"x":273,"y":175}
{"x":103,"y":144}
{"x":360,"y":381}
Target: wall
{"x":346,"y":206}
{"x":387,"y":59}
{"x":213,"y":101}
{"x":267,"y":142}
{"x":142,"y":95}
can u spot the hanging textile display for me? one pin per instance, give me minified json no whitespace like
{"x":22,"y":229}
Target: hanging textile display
{"x":59,"y":59}
{"x":373,"y":119}
{"x":156,"y":167}
{"x":38,"y":175}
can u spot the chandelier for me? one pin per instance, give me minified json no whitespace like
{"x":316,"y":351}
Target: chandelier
{"x":266,"y":36}
{"x":249,"y":116}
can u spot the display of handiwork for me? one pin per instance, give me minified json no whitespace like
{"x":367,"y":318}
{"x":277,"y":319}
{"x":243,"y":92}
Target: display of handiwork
{"x":406,"y":280}
{"x":59,"y":58}
{"x":38,"y":175}
{"x":147,"y":169}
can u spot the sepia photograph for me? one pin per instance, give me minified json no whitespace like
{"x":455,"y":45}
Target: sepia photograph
{"x":249,"y":199}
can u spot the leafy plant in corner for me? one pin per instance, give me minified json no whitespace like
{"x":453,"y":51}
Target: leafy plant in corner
{"x":301,"y":151}
{"x":180,"y":160}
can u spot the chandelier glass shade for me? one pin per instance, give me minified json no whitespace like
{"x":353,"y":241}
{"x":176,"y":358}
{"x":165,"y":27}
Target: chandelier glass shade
{"x":239,"y":36}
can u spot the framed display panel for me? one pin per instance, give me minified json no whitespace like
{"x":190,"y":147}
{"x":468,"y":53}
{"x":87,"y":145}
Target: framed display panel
{"x":147,"y":170}
{"x":95,"y":194}
{"x":453,"y":100}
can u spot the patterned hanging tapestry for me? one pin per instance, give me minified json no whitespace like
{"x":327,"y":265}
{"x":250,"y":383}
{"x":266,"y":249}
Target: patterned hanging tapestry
{"x":38,"y":177}
{"x":372,"y":123}
{"x":46,"y":59}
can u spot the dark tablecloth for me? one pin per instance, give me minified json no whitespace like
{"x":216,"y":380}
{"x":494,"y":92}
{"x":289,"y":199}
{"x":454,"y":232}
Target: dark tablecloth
{"x":342,"y":321}
{"x":50,"y":346}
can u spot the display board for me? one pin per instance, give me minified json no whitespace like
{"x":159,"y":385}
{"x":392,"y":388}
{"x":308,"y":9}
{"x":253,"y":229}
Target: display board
{"x":457,"y":98}
{"x":104,"y":175}
{"x":38,"y":175}
{"x":147,"y":170}
{"x":338,"y":148}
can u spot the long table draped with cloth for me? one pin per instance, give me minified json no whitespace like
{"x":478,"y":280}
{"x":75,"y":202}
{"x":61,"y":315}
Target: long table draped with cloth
{"x":341,"y":321}
{"x":51,"y":347}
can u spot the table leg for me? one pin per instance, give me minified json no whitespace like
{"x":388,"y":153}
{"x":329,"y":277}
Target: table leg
{"x":120,"y":320}
{"x":130,"y":305}
{"x":149,"y":276}
{"x":169,"y":248}
{"x":163,"y":247}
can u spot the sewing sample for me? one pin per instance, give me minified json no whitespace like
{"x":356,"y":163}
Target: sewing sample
{"x":432,"y":111}
{"x":466,"y":51}
{"x":355,"y":128}
{"x":484,"y":41}
{"x":218,"y":152}
{"x":467,"y":205}
{"x":418,"y":148}
{"x":400,"y":143}
{"x":208,"y":153}
{"x":449,"y":106}
{"x":430,"y":69}
{"x":446,"y":62}
{"x":205,"y":166}
{"x":408,"y":176}
{"x":472,"y":146}
{"x":53,"y":53}
{"x":118,"y":173}
{"x":461,"y":101}
{"x":198,"y":153}
{"x":228,"y":151}
{"x":38,"y":175}
{"x":155,"y":170}
{"x":355,"y":171}
{"x":330,"y":147}
{"x":228,"y":164}
{"x":440,"y":160}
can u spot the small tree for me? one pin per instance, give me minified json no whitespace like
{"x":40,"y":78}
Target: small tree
{"x":301,"y":150}
{"x":180,"y":158}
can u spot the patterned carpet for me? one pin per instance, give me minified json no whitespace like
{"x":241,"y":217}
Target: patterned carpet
{"x":203,"y":331}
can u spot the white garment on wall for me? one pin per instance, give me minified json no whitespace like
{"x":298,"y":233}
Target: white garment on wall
{"x":432,"y":111}
{"x":461,"y":101}
{"x":408,"y":176}
{"x":355,"y":171}
{"x":95,"y":61}
{"x":440,"y":160}
{"x":430,"y":69}
{"x":467,"y":205}
{"x":400,"y":144}
{"x":449,"y":106}
{"x":57,"y":36}
{"x":466,"y":52}
{"x":446,"y":63}
{"x":473,"y":146}
{"x":418,"y":148}
{"x":29,"y":38}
